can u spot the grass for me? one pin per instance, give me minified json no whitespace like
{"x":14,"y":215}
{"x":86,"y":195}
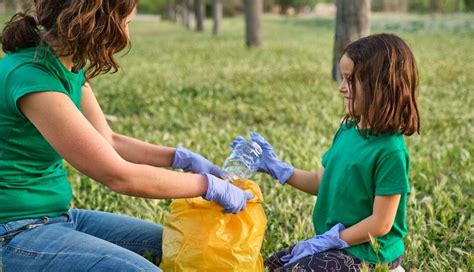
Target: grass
{"x":192,"y":89}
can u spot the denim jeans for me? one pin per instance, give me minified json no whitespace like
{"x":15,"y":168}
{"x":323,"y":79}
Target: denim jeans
{"x":80,"y":240}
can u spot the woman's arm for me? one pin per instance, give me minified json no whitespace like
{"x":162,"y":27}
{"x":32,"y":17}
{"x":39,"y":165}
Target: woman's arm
{"x":78,"y":142}
{"x":130,"y":149}
{"x":376,"y":225}
{"x":306,"y":181}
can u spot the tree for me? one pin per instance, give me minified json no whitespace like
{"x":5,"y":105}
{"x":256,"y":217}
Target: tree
{"x":216,"y":16}
{"x":284,"y":6}
{"x":200,"y":14}
{"x":395,"y":5}
{"x":253,"y":13}
{"x":435,"y":5}
{"x":2,"y":7}
{"x":13,"y":5}
{"x":297,"y":4}
{"x":469,"y":5}
{"x":352,"y":23}
{"x":171,"y":10}
{"x":188,"y":13}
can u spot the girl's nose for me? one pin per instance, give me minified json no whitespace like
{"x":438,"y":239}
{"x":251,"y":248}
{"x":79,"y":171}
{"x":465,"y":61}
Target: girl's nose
{"x":343,"y":87}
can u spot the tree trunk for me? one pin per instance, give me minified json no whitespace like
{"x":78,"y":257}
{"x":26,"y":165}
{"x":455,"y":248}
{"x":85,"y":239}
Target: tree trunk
{"x":10,"y":5}
{"x":189,"y":14}
{"x":184,"y":14}
{"x":284,"y":9}
{"x":469,"y":5}
{"x":200,"y":14}
{"x":181,"y":14}
{"x":395,"y":5}
{"x":435,"y":5}
{"x":171,"y":10}
{"x":352,"y":23}
{"x":2,"y":7}
{"x":216,"y":16}
{"x":457,"y":6}
{"x":253,"y":13}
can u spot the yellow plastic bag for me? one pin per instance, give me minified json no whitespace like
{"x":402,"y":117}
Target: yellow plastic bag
{"x":198,"y":236}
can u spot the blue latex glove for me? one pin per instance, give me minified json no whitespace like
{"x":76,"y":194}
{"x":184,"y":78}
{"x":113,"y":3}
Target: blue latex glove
{"x":190,"y":161}
{"x":270,"y":162}
{"x":319,"y":243}
{"x":232,"y":198}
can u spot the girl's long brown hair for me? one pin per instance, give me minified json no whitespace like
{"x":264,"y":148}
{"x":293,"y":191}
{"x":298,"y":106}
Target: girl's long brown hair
{"x":387,"y":72}
{"x":89,"y":31}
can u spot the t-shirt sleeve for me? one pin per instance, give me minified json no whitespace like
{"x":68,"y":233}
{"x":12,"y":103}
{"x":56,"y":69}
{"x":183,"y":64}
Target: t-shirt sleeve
{"x":327,"y":154}
{"x":29,"y":78}
{"x":391,"y":174}
{"x":324,"y":160}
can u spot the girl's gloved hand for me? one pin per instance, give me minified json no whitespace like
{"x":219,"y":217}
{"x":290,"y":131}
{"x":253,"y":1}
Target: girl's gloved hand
{"x":270,"y":162}
{"x":232,"y":198}
{"x":319,"y":243}
{"x":190,"y":161}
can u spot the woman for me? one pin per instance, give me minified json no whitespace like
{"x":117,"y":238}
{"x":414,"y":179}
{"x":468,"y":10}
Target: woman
{"x":48,"y":112}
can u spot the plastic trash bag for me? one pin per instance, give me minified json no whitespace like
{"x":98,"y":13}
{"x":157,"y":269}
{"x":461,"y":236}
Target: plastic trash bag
{"x":198,"y":236}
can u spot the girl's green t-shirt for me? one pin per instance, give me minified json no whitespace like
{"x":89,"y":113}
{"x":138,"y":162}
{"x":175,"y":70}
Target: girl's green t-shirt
{"x":357,"y":169}
{"x":33,"y":180}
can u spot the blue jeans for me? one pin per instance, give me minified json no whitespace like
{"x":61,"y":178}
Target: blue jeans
{"x":80,"y":240}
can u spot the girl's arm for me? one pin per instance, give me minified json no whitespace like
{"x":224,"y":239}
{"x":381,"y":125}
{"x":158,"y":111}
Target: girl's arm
{"x":130,"y":149}
{"x":78,"y":142}
{"x":306,"y":181}
{"x":378,"y":224}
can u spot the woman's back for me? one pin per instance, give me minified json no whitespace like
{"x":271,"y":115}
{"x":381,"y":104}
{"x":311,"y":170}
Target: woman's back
{"x":32,"y":177}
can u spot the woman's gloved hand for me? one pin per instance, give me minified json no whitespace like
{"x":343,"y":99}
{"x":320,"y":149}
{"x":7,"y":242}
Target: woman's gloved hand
{"x":232,"y":198}
{"x":270,"y":162}
{"x":190,"y":161}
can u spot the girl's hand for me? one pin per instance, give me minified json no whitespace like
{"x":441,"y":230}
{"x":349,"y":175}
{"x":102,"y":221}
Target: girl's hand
{"x":319,"y":243}
{"x":270,"y":162}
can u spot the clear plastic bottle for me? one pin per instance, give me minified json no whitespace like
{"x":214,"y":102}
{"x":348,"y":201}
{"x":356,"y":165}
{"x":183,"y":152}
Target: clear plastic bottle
{"x":243,"y":161}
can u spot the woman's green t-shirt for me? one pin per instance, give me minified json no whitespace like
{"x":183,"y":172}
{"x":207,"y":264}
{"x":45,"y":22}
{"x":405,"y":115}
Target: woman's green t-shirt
{"x":33,"y":180}
{"x":356,"y":170}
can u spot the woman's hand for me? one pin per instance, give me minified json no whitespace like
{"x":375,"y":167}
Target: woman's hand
{"x":270,"y":162}
{"x":232,"y":198}
{"x":190,"y":161}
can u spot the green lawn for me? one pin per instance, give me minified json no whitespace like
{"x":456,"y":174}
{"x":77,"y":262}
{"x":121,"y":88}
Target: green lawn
{"x":199,"y":91}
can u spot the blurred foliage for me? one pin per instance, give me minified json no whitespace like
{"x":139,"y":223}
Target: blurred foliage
{"x":234,"y":7}
{"x":427,"y":6}
{"x":153,"y":6}
{"x":296,"y":3}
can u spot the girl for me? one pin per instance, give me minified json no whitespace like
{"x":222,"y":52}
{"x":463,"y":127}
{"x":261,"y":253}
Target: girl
{"x":48,"y":112}
{"x":362,"y":186}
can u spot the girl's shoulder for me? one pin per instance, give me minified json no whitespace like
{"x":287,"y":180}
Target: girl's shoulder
{"x":390,"y":144}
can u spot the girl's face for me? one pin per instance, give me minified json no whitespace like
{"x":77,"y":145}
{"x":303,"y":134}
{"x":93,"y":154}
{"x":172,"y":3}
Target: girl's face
{"x":346,"y":66}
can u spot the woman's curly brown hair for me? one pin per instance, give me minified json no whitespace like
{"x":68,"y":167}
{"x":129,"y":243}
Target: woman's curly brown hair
{"x":89,"y":31}
{"x":386,"y":70}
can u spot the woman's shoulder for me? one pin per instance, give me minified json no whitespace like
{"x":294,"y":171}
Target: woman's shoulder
{"x":31,"y":59}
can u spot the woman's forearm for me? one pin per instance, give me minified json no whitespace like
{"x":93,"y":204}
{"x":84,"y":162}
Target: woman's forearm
{"x":153,"y":182}
{"x":140,"y":152}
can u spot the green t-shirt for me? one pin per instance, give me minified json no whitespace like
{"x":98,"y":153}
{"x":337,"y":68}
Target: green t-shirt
{"x":33,"y":181}
{"x":356,"y":170}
